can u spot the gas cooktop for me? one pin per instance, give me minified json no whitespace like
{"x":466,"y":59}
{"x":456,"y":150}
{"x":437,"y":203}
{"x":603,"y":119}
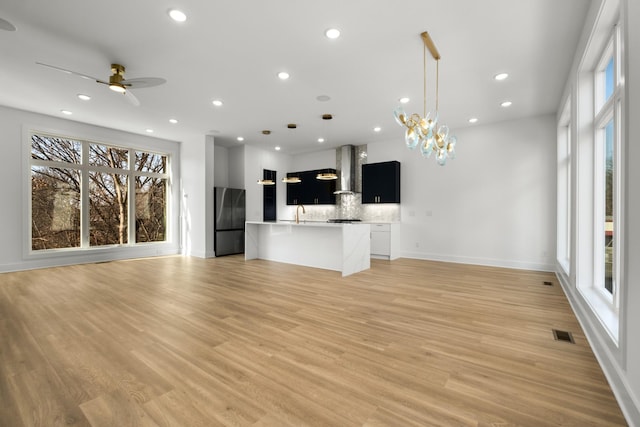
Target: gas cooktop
{"x":346,"y":220}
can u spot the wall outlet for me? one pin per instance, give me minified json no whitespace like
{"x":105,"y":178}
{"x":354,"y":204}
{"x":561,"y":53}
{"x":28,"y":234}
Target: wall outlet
{"x":417,"y":245}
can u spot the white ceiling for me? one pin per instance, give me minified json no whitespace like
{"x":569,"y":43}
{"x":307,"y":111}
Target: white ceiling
{"x":232,"y":50}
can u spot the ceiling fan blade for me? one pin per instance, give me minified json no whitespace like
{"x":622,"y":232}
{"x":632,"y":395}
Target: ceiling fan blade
{"x":132,"y":98}
{"x":6,"y":25}
{"x":142,"y":82}
{"x":84,"y":76}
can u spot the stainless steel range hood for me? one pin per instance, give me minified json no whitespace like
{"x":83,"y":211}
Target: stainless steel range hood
{"x":346,"y":170}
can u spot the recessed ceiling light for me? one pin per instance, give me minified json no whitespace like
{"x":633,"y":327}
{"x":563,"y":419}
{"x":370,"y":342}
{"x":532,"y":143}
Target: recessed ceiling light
{"x":277,"y":148}
{"x":404,"y":100}
{"x":84,"y":97}
{"x":173,"y":121}
{"x":149,"y":130}
{"x":506,"y":104}
{"x":217,"y":102}
{"x":501,"y":76}
{"x":240,"y":139}
{"x":66,"y":112}
{"x":473,"y":120}
{"x":323,"y":98}
{"x":283,"y":75}
{"x":377,"y":129}
{"x":332,"y":33}
{"x":177,"y":15}
{"x":320,"y":140}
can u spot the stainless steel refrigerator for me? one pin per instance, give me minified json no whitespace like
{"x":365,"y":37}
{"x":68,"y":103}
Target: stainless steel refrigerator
{"x":229,"y":222}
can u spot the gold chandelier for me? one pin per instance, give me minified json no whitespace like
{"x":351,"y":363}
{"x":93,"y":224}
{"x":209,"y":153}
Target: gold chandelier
{"x":425,"y":131}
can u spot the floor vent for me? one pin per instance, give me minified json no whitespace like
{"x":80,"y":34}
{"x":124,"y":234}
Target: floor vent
{"x":563,"y":336}
{"x":547,"y":283}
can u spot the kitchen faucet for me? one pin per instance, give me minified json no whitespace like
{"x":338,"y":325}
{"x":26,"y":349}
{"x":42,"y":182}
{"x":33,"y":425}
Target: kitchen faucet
{"x":298,"y":213}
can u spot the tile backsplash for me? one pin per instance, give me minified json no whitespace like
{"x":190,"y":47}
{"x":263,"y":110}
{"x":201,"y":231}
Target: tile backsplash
{"x":348,"y":206}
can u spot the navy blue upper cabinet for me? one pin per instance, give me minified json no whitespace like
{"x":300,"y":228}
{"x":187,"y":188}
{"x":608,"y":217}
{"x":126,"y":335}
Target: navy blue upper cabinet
{"x":381,"y":182}
{"x":311,"y":191}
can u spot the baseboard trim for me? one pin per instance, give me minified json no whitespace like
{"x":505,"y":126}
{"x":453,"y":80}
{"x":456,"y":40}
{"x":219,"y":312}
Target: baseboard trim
{"x":520,"y":265}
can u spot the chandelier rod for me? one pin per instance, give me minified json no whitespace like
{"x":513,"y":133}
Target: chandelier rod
{"x":426,"y":38}
{"x":424,"y":69}
{"x":429,"y":44}
{"x":437,"y":82}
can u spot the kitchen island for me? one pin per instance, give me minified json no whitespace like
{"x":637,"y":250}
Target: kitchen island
{"x":340,"y":247}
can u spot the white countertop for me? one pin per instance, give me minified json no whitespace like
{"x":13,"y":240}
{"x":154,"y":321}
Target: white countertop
{"x":303,"y":223}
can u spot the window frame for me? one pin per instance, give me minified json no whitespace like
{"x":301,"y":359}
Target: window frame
{"x":85,"y":169}
{"x":608,"y":110}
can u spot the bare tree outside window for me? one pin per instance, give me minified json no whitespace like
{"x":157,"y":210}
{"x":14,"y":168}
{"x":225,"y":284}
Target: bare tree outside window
{"x":151,"y":197}
{"x":108,"y":208}
{"x":55,"y":208}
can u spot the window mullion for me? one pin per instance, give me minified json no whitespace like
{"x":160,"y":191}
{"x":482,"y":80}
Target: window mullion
{"x":132,"y":198}
{"x":84,"y":197}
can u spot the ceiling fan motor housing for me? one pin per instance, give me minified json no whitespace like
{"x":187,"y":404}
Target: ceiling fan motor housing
{"x":117,"y":75}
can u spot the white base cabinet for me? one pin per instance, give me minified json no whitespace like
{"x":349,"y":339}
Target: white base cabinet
{"x":385,"y":240}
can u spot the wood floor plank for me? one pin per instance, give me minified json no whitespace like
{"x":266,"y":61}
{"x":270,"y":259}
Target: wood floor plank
{"x":179,"y":341}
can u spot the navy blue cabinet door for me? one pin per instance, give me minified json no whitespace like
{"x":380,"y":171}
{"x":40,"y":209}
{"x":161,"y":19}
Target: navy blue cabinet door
{"x":381,"y":182}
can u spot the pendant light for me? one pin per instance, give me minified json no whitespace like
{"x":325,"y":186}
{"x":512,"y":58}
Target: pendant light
{"x":268,"y":177}
{"x":425,"y":131}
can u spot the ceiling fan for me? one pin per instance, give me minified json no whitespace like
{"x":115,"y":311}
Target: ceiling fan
{"x":6,"y":25}
{"x":117,"y":82}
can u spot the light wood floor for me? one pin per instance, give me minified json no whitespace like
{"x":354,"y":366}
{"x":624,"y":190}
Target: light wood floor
{"x":190,"y":342}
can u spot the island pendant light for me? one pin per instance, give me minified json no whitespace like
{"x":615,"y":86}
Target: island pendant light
{"x":291,"y":179}
{"x":425,"y":131}
{"x":267,"y":178}
{"x":327,"y":174}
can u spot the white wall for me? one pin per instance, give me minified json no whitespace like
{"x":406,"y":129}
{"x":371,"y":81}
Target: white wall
{"x":221,"y":168}
{"x":236,"y":167}
{"x":317,"y":160}
{"x":255,"y":160}
{"x":14,"y":175}
{"x":229,"y":167}
{"x":492,"y":205}
{"x":198,"y":163}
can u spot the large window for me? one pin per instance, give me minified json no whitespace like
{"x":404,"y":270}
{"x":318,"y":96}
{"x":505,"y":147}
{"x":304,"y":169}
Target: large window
{"x":85,"y":194}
